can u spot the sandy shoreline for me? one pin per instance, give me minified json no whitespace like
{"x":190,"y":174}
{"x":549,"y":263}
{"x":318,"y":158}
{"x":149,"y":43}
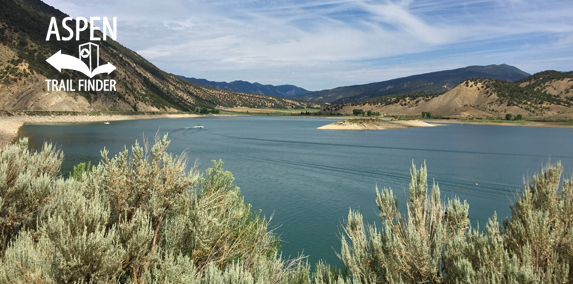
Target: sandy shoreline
{"x":521,"y":123}
{"x":374,"y":124}
{"x":9,"y":125}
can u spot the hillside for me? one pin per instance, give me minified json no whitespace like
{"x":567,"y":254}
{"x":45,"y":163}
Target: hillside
{"x":428,"y":83}
{"x":284,"y":91}
{"x":547,"y":95}
{"x":141,"y":86}
{"x":553,"y":82}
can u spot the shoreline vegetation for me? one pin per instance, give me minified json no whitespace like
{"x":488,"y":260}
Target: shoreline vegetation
{"x":10,"y":124}
{"x":527,"y":123}
{"x":11,"y":121}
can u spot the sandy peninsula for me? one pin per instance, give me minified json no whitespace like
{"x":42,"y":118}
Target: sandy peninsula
{"x":374,"y":124}
{"x":9,"y":125}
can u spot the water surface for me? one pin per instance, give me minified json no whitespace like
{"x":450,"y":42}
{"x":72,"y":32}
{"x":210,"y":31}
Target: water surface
{"x":308,"y":179}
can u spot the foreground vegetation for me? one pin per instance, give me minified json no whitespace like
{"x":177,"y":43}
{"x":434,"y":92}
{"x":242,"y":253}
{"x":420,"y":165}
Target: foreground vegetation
{"x":142,"y":217}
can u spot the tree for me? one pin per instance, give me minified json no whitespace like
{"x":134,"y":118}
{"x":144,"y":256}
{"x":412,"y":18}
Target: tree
{"x":204,"y":111}
{"x":508,"y":116}
{"x":358,"y":111}
{"x":215,"y":111}
{"x":518,"y":117}
{"x":369,"y":113}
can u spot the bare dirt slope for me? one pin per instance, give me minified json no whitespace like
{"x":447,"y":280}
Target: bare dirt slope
{"x":483,"y":98}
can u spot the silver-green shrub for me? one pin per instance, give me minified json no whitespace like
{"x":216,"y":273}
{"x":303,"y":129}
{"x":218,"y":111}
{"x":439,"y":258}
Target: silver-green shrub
{"x":142,"y":217}
{"x":25,"y":185}
{"x":532,"y":246}
{"x":406,"y":248}
{"x":433,"y":242}
{"x":138,"y":217}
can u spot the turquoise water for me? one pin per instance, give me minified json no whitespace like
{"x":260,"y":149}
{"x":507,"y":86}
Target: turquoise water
{"x":308,"y":178}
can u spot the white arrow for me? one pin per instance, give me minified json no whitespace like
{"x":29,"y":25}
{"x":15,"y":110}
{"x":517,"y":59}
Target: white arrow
{"x":63,"y":61}
{"x":106,"y":68}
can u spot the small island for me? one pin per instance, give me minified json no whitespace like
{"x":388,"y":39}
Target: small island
{"x":374,"y":124}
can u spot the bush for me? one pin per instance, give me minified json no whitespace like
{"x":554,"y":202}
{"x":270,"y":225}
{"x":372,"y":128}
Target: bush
{"x":139,"y":217}
{"x":215,"y":111}
{"x":508,"y":116}
{"x":433,"y":242}
{"x":142,"y":217}
{"x":406,"y":248}
{"x":25,"y":185}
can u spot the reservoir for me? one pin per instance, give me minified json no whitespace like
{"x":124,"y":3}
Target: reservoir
{"x":308,"y":179}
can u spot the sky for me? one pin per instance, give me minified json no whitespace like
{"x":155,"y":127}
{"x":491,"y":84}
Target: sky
{"x":323,"y":44}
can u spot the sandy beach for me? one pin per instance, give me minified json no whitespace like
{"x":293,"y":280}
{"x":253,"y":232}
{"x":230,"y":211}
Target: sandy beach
{"x":375,"y":124}
{"x":512,"y":123}
{"x":9,"y":125}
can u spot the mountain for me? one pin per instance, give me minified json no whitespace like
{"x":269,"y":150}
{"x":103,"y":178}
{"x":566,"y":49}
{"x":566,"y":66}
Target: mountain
{"x":552,"y":82}
{"x":547,"y":95}
{"x":141,"y":86}
{"x":284,"y":91}
{"x":428,"y":83}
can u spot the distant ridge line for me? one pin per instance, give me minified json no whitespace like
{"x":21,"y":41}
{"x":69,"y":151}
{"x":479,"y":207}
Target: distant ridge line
{"x":284,"y":91}
{"x":432,"y":82}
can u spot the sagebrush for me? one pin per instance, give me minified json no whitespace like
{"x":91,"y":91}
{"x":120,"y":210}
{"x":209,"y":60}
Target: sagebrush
{"x":142,"y":216}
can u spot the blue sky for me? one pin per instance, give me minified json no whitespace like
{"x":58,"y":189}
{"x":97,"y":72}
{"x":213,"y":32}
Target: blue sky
{"x":323,"y":44}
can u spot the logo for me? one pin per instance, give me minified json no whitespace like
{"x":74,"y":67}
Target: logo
{"x":88,"y":61}
{"x":88,"y":52}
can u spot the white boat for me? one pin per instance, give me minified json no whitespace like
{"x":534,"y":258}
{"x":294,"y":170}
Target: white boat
{"x":199,"y":126}
{"x":106,"y":122}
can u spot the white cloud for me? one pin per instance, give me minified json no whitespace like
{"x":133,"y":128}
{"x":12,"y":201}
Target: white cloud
{"x":327,"y":43}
